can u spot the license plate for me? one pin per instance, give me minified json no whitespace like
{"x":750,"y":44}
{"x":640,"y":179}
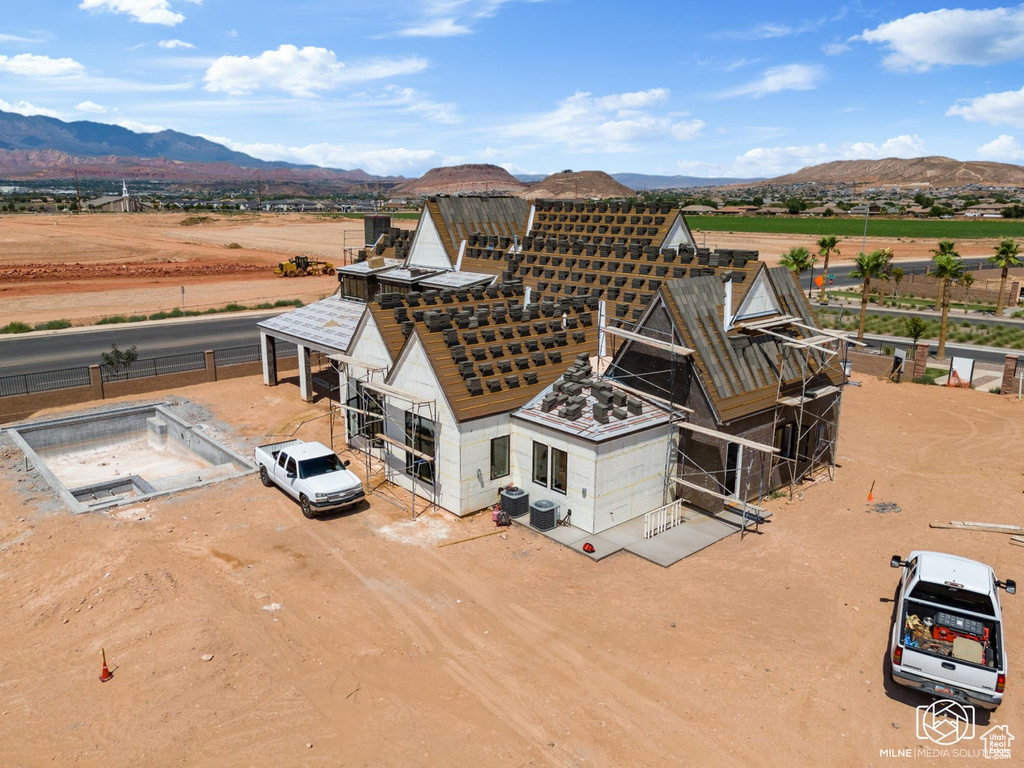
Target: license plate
{"x":940,"y":689}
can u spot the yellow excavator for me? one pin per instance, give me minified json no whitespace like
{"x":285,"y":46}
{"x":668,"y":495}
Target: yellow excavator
{"x":303,"y":265}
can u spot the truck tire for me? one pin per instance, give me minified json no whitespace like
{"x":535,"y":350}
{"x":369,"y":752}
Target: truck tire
{"x":265,"y":477}
{"x":307,"y":509}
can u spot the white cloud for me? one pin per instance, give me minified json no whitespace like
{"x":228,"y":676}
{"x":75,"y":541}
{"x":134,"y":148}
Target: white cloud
{"x":5,"y":38}
{"x":396,"y":161}
{"x":769,"y":31}
{"x":91,"y":106}
{"x":993,"y":108}
{"x":131,"y":125}
{"x":143,"y":11}
{"x":1005,"y":149}
{"x":411,"y":101}
{"x":954,"y":36}
{"x":789,"y":77}
{"x":613,"y":123}
{"x":834,"y":49}
{"x":170,"y":44}
{"x":451,"y":18}
{"x":775,"y":161}
{"x":27,"y":109}
{"x":297,"y":71}
{"x":39,"y":66}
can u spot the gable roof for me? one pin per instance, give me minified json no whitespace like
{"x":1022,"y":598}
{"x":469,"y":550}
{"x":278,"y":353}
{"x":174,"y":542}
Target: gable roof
{"x":447,"y":221}
{"x":739,"y":369}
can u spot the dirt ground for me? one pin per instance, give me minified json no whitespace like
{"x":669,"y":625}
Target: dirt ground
{"x":357,"y":640}
{"x":83,"y":268}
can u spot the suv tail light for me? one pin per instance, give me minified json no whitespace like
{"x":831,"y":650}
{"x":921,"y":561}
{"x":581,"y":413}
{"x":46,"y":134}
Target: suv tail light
{"x":897,"y":656}
{"x":1000,"y":683}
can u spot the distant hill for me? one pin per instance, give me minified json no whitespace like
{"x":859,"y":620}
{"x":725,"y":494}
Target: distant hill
{"x":460,"y":179}
{"x":644,"y":181}
{"x":897,"y":172}
{"x":569,"y":185}
{"x":37,"y":147}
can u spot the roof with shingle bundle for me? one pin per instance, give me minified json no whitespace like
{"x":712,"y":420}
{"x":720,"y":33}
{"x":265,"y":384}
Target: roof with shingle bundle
{"x":491,"y":353}
{"x":739,"y":368}
{"x":448,"y":220}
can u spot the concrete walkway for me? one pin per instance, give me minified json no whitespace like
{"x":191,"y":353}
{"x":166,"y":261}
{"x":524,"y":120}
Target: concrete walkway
{"x":698,"y":530}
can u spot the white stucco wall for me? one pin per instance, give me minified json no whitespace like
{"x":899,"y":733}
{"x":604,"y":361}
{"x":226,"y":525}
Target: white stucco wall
{"x":412,"y":373}
{"x":479,"y":491}
{"x":608,"y":483}
{"x":427,"y":250}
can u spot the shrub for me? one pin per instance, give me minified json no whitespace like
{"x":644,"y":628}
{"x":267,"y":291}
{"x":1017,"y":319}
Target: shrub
{"x":235,"y":307}
{"x":193,"y":221}
{"x":112,"y":320}
{"x":53,"y":325}
{"x":16,"y":327}
{"x":232,"y":245}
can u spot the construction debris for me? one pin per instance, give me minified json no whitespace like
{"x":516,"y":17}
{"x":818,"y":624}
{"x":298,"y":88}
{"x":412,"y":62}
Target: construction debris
{"x":1018,"y":540}
{"x":884,"y":507}
{"x":986,"y":527}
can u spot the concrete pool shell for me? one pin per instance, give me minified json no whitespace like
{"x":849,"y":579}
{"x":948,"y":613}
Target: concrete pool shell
{"x":124,"y":455}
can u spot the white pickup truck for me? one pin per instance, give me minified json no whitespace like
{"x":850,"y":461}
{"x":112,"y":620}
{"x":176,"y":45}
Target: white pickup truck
{"x":947,"y":639}
{"x":310,"y":473}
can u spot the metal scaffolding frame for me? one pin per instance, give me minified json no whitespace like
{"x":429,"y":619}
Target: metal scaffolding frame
{"x":810,"y":445}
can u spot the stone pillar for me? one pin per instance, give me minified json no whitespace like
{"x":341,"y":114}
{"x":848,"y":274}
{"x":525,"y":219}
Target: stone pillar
{"x":96,"y":382}
{"x":305,"y":374}
{"x":268,"y":353}
{"x":211,"y":365}
{"x":1009,"y":383}
{"x":920,"y":359}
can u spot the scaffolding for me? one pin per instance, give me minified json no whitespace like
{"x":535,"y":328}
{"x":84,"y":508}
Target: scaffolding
{"x":368,"y":416}
{"x":806,"y":444}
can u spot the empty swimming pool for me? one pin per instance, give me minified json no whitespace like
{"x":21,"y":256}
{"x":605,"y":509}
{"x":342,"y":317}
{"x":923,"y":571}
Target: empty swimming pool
{"x":124,"y":455}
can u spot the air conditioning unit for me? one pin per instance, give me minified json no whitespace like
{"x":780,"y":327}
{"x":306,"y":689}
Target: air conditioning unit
{"x":543,"y":514}
{"x":514,"y":501}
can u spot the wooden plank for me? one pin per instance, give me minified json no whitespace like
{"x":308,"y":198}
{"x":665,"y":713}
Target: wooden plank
{"x":1018,"y":540}
{"x":729,"y":438}
{"x":732,"y":500}
{"x":404,"y":447}
{"x":386,"y":389}
{"x":472,"y":538}
{"x":623,"y":333}
{"x":961,"y":525}
{"x":359,"y":363}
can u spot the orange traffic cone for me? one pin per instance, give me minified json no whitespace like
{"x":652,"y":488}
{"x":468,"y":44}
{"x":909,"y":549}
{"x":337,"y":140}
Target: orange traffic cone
{"x":871,"y":493}
{"x":106,"y":674}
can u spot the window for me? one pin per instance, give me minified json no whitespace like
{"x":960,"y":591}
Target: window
{"x":784,"y":440}
{"x":499,"y":457}
{"x":419,"y":435}
{"x":559,"y":470}
{"x":733,"y":458}
{"x":540,"y":464}
{"x":367,"y":419}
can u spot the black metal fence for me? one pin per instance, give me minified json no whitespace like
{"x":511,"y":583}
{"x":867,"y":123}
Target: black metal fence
{"x":66,"y":378}
{"x":29,"y":383}
{"x":885,"y":347}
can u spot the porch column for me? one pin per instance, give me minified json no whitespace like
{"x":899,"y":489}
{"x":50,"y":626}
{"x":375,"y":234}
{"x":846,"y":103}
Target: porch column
{"x":920,"y":359}
{"x":305,"y":373}
{"x":268,"y":353}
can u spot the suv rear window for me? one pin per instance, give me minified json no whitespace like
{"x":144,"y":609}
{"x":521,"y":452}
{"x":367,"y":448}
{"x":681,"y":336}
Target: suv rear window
{"x":953,"y":597}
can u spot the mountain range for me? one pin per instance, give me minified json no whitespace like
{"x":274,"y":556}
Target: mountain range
{"x":39,"y":147}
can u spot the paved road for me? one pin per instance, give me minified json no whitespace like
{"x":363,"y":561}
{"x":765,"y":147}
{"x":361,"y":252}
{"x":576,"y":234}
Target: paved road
{"x":50,"y":350}
{"x":918,"y":267}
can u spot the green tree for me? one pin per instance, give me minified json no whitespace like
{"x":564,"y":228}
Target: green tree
{"x":948,"y":267}
{"x":116,"y":362}
{"x":826,"y":246}
{"x":967,"y":280}
{"x":897,"y":275}
{"x":868,"y":266}
{"x":914,"y":327}
{"x":1007,"y":256}
{"x":798,"y":260}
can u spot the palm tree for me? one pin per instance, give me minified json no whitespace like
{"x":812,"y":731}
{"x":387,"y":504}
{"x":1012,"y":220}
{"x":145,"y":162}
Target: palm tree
{"x":798,"y":260}
{"x":947,"y":266}
{"x":1005,"y":258}
{"x":867,"y":266}
{"x":826,"y":245}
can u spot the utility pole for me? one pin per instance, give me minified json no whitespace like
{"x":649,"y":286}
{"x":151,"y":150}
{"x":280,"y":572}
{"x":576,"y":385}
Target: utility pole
{"x":259,"y":191}
{"x":78,"y":194}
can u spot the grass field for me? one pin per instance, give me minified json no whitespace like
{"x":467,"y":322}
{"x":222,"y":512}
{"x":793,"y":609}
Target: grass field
{"x":924,"y":229}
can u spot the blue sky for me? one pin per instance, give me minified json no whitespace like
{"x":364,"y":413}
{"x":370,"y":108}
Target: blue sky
{"x":535,"y":86}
